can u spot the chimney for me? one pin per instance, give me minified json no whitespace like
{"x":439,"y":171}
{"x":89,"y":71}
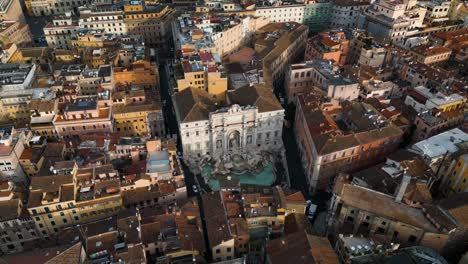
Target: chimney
{"x":402,"y":187}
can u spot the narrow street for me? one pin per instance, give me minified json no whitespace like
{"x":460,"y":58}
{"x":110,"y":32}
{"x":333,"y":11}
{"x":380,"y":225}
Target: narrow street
{"x":171,"y":129}
{"x":296,"y":173}
{"x":299,"y":181}
{"x":168,"y":109}
{"x":36,"y":26}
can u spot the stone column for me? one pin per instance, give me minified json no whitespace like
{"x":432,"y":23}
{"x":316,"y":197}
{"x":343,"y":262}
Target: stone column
{"x":225,"y":140}
{"x":243,"y":139}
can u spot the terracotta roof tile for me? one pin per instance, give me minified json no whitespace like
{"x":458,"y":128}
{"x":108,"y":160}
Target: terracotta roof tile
{"x":258,"y":95}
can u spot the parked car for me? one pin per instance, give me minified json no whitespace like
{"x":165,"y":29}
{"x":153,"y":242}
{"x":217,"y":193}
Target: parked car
{"x":311,"y":210}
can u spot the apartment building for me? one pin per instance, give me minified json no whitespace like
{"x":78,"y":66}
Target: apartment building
{"x":15,"y":32}
{"x":420,"y":74}
{"x":454,"y":173}
{"x":31,"y":159}
{"x":445,"y":215}
{"x":16,"y":76}
{"x":51,"y":200}
{"x":380,"y":90}
{"x":147,"y":233}
{"x":137,"y":115}
{"x":433,"y":122}
{"x":96,"y":81}
{"x":448,"y":39}
{"x":159,"y":164}
{"x":231,"y":200}
{"x":354,"y":210}
{"x":63,"y":195}
{"x":277,"y":46}
{"x":424,"y":99}
{"x":10,"y":10}
{"x":308,"y":248}
{"x":436,"y":12}
{"x":41,"y":8}
{"x":365,"y":51}
{"x":187,"y":4}
{"x":71,"y":73}
{"x":131,"y":49}
{"x":141,"y":73}
{"x":392,"y":21}
{"x":457,"y":10}
{"x":108,"y":18}
{"x":322,"y":74}
{"x":15,"y":83}
{"x":38,"y":55}
{"x":127,"y":147}
{"x":438,"y":111}
{"x":220,"y":238}
{"x":114,"y":239}
{"x":220,"y":35}
{"x":392,"y":219}
{"x":12,"y":144}
{"x":153,"y":22}
{"x":59,"y":32}
{"x":43,"y":110}
{"x":436,"y":148}
{"x":92,"y":38}
{"x":373,"y":56}
{"x":156,"y":180}
{"x":97,"y":193}
{"x":331,"y":45}
{"x":345,"y":13}
{"x":10,"y":54}
{"x":263,"y":209}
{"x":430,"y":54}
{"x":16,"y":227}
{"x":341,"y":139}
{"x":400,"y":168}
{"x":317,"y":15}
{"x":202,"y":71}
{"x":282,"y":13}
{"x":253,"y":213}
{"x":84,"y":115}
{"x":360,"y":249}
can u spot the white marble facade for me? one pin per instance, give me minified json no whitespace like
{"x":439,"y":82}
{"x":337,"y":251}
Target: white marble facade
{"x":233,"y":129}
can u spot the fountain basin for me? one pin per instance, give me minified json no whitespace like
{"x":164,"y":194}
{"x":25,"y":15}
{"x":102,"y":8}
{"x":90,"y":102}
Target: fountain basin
{"x":262,"y":177}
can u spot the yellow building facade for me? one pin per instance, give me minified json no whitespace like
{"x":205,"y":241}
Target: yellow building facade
{"x":44,"y":129}
{"x":192,"y":79}
{"x":134,"y":120}
{"x":141,"y":73}
{"x":214,"y":82}
{"x":16,"y":112}
{"x":458,"y":10}
{"x":217,"y":85}
{"x":455,"y":179}
{"x":98,"y":208}
{"x":453,"y":106}
{"x":88,"y":40}
{"x":11,"y":53}
{"x":53,"y":210}
{"x":154,"y":23}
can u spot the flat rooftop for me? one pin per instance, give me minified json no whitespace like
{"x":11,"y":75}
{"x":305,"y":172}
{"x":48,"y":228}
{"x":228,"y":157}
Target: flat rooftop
{"x":442,"y":143}
{"x":437,"y":97}
{"x":81,"y":105}
{"x":14,"y":73}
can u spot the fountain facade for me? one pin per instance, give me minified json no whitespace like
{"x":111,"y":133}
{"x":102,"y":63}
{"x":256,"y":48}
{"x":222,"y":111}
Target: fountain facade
{"x":233,"y":130}
{"x":237,"y":140}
